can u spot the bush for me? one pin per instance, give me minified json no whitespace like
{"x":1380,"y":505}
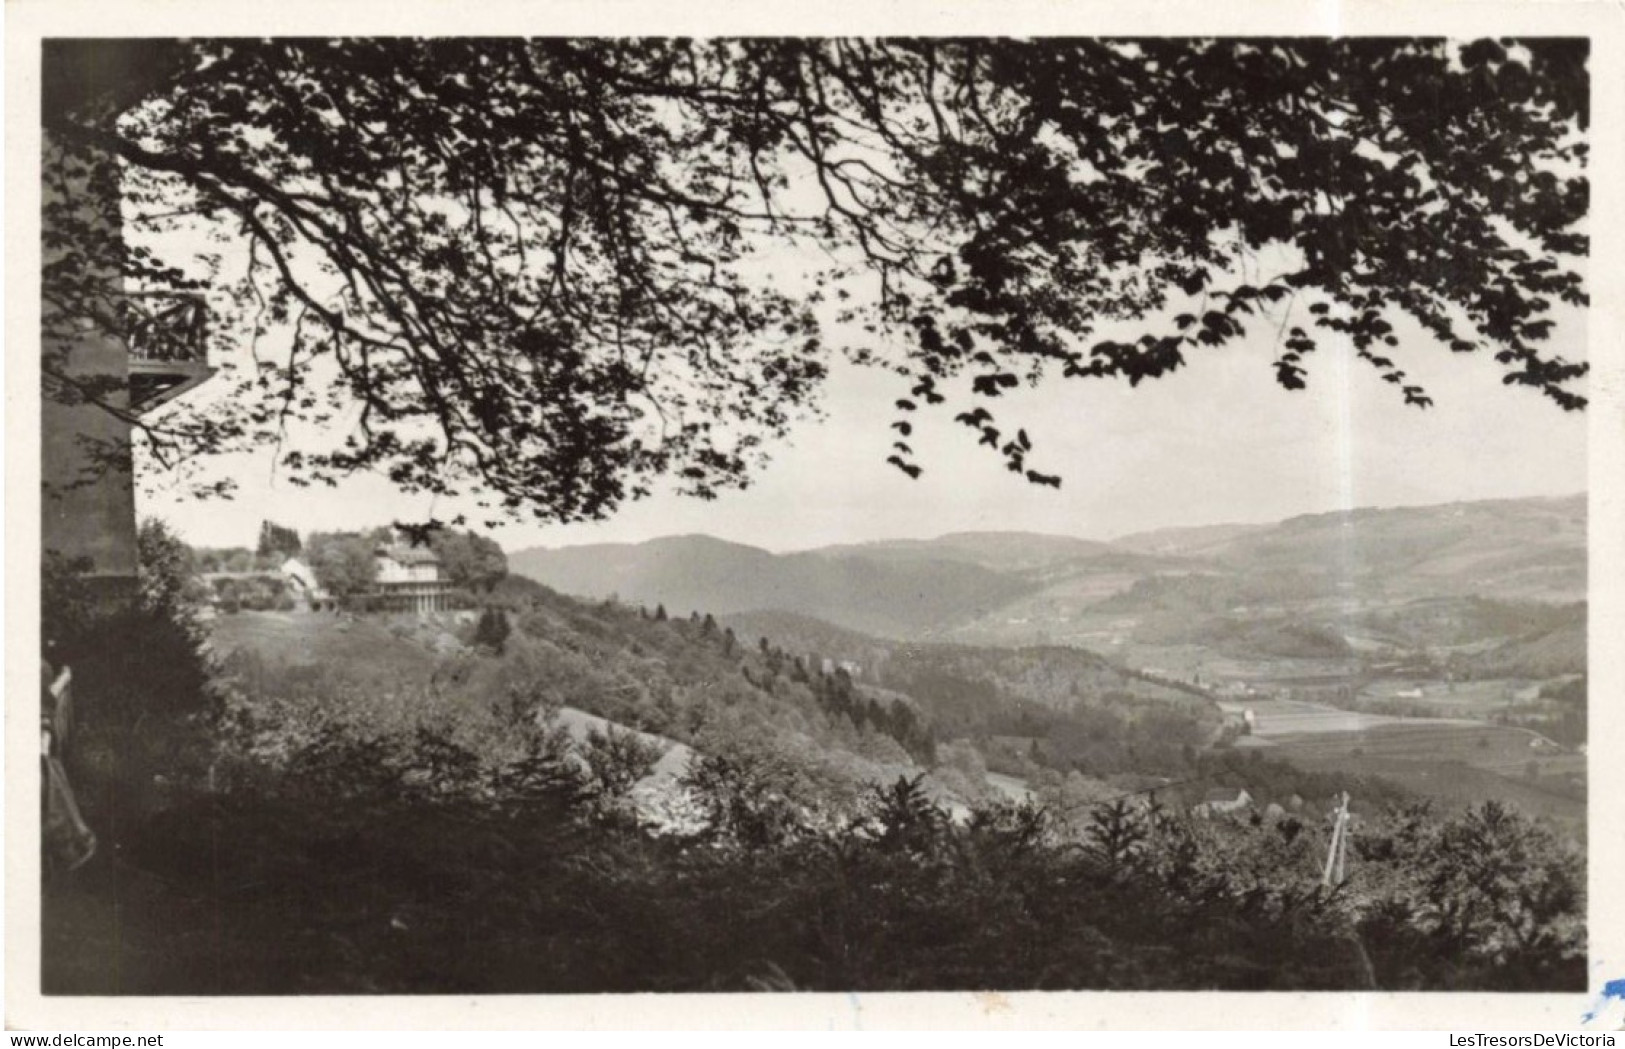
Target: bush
{"x":145,"y":698}
{"x":459,"y":599}
{"x":617,"y":759}
{"x":744,"y":802}
{"x":1487,"y":899}
{"x":136,"y":659}
{"x":465,"y":852}
{"x":493,"y":629}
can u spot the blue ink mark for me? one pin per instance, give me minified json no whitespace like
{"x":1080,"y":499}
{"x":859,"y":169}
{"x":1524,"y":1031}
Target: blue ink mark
{"x":1613,"y":989}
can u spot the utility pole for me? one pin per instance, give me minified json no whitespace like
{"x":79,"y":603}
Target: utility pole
{"x":1337,"y":854}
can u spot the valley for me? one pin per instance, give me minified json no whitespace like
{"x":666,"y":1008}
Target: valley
{"x":1451,"y":760}
{"x":529,"y":790}
{"x":1442,"y":648}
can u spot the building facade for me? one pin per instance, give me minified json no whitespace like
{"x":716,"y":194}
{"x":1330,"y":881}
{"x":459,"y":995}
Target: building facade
{"x":409,"y":580}
{"x":303,"y":585}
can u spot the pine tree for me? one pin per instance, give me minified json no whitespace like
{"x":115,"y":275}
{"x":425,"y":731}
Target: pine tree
{"x":492,"y":630}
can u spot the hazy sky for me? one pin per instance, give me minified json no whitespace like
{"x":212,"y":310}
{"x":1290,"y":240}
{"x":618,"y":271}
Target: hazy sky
{"x":1215,"y":442}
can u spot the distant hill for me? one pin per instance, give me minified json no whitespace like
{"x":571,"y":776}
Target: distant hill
{"x":796,"y":632}
{"x":1545,"y":654}
{"x":894,"y":597}
{"x":1176,"y":586}
{"x":1050,"y":675}
{"x":1512,"y":548}
{"x":1250,"y":591}
{"x":1192,"y":541}
{"x":1000,"y":551}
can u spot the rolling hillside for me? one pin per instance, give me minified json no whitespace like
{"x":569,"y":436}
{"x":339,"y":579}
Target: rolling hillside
{"x":893,"y":597}
{"x":1511,"y":548}
{"x":1000,"y":551}
{"x":1305,"y":588}
{"x":753,"y":688}
{"x":1053,"y":676}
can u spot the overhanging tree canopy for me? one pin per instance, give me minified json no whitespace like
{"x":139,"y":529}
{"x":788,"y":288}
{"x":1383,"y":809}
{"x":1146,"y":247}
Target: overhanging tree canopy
{"x":554,"y":270}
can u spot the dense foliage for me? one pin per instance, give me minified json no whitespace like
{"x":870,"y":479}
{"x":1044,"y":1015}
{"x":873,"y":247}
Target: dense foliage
{"x":143,"y":659}
{"x":538,"y":266}
{"x":277,"y":542}
{"x":258,"y":592}
{"x":145,"y":698}
{"x":471,"y":562}
{"x":491,"y":633}
{"x":365,"y":859}
{"x":345,"y":562}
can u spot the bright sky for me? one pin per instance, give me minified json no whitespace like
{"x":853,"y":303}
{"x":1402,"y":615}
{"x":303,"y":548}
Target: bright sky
{"x":1215,"y":442}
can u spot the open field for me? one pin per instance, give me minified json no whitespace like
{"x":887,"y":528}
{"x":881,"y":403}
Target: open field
{"x":1492,"y":693}
{"x":1466,"y":699}
{"x":371,"y":649}
{"x":1453,"y":763}
{"x":1496,"y":748}
{"x":1277,"y":718}
{"x":1009,"y":787}
{"x":1452,"y":784}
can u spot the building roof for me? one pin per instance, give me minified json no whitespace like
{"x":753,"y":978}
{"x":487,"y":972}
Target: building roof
{"x":297,"y":569}
{"x":409,"y":555}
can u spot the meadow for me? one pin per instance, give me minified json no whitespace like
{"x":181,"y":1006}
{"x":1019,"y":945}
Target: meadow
{"x":1453,"y":764}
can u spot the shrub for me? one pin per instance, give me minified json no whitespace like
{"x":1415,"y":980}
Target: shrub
{"x":145,"y":699}
{"x":617,"y":759}
{"x":743,"y":801}
{"x":458,"y":599}
{"x":493,"y":630}
{"x":467,"y":854}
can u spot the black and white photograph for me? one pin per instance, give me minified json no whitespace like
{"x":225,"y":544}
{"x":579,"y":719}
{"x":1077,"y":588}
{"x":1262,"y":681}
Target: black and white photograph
{"x":549,"y":513}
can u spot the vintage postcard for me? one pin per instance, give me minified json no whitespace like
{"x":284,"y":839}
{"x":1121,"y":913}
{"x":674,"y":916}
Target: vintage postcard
{"x":901,"y":515}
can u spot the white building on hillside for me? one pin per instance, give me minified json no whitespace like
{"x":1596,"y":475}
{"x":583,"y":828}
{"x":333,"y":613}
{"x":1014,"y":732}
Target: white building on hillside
{"x":409,"y":580}
{"x":304,"y":587}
